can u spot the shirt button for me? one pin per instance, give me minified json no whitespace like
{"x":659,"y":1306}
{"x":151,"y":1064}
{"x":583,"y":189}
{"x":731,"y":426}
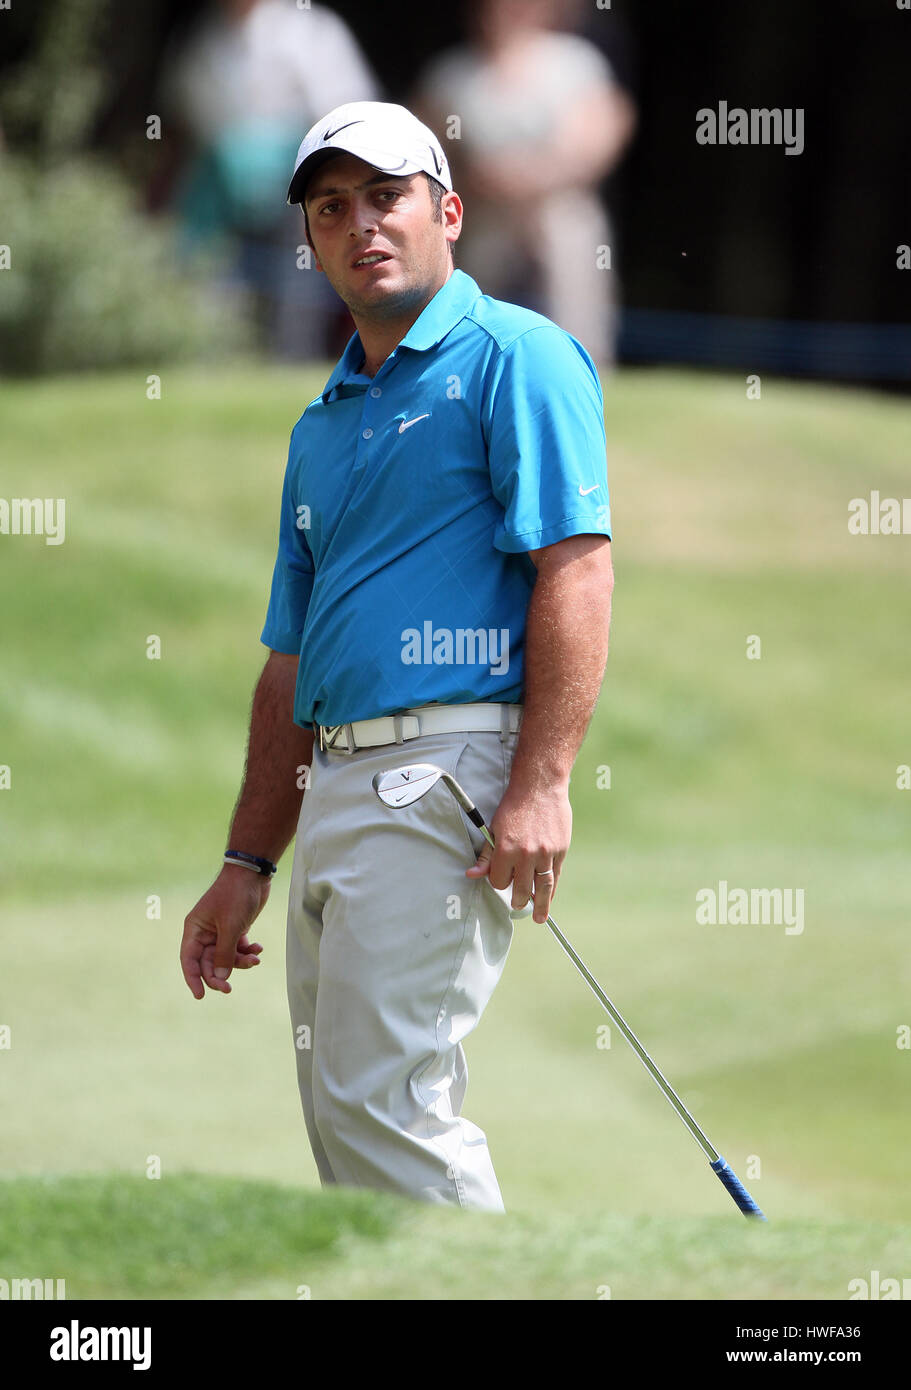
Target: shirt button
{"x":368,"y":434}
{"x":376,"y":391}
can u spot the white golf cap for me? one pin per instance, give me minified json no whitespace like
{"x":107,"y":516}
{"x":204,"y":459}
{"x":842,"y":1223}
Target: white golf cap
{"x":387,"y":136}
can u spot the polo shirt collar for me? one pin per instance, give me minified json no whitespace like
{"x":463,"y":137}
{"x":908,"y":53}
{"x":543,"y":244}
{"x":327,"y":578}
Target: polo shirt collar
{"x":448,"y":307}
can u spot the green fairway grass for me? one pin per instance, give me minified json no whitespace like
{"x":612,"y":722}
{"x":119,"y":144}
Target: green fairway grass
{"x":730,"y":522}
{"x":200,"y":1237}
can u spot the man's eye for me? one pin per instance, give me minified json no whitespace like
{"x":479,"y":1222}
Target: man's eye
{"x":329,"y":207}
{"x":389,"y":193}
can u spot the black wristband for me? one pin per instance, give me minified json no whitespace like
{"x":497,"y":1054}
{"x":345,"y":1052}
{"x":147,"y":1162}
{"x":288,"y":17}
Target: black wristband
{"x":251,"y":861}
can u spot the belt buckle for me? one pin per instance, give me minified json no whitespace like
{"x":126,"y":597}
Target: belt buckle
{"x":328,"y":733}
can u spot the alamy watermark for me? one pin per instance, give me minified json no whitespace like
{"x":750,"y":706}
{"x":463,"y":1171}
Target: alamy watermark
{"x":879,"y":516}
{"x":34,"y":516}
{"x":752,"y":907}
{"x":876,"y":1287}
{"x":85,"y":1343}
{"x":756,"y":125}
{"x":461,"y":646}
{"x":27,"y":1290}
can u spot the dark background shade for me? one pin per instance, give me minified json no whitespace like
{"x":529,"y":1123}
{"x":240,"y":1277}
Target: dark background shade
{"x":701,"y":231}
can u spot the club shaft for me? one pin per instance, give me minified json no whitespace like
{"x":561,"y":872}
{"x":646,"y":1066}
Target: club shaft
{"x":596,"y":989}
{"x":407,"y":785}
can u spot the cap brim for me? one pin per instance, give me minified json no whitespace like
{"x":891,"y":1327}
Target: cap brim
{"x":304,"y":173}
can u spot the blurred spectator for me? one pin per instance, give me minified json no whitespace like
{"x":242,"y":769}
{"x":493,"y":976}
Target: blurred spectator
{"x":535,"y":120}
{"x":243,"y":89}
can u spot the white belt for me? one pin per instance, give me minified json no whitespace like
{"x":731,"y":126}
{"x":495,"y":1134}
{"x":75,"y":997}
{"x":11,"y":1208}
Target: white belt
{"x":412,"y":723}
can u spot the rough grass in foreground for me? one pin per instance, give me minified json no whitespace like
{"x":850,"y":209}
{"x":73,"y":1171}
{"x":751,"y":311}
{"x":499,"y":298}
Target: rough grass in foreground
{"x":193,"y":1236}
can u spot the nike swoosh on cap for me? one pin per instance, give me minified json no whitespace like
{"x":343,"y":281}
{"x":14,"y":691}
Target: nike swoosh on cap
{"x":329,"y":133}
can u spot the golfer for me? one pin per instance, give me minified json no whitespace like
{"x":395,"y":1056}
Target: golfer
{"x":441,"y":594}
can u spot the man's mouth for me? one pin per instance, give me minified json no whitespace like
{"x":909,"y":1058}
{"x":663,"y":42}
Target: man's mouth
{"x":371,"y":258}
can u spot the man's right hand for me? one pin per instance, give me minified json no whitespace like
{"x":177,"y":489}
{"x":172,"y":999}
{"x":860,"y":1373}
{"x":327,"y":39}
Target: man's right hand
{"x":215,"y":938}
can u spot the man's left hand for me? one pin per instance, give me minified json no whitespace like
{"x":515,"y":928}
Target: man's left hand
{"x":532,"y":832}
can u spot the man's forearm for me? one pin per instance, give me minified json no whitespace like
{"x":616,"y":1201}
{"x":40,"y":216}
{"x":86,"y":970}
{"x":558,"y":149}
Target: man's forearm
{"x":267,"y":809}
{"x":566,"y":644}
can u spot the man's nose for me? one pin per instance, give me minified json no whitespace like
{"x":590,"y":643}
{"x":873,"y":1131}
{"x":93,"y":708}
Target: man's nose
{"x":362,"y":220}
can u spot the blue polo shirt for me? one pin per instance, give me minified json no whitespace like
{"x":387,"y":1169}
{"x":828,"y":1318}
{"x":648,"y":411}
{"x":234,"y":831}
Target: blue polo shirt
{"x":411,"y":499}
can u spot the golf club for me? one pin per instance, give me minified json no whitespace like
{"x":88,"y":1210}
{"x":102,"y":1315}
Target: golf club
{"x":402,"y":786}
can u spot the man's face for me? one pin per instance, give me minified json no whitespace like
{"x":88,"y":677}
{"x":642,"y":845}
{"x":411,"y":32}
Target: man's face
{"x":375,"y":237}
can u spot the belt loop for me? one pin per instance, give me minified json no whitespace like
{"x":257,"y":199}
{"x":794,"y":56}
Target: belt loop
{"x":504,"y":723}
{"x":397,"y":726}
{"x":352,"y":746}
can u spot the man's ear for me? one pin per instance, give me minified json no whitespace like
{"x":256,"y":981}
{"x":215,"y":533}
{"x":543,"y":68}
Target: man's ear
{"x":452,"y":210}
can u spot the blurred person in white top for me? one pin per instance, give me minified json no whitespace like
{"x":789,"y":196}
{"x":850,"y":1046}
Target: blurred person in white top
{"x":541,"y":121}
{"x":244,"y":83}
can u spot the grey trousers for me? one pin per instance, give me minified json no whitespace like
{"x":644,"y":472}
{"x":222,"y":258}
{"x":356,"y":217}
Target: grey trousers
{"x":392,"y":956}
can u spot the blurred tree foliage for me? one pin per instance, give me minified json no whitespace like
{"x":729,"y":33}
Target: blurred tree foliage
{"x":92,"y":281}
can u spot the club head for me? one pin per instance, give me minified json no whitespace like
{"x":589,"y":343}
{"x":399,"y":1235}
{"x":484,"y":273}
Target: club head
{"x":402,"y":786}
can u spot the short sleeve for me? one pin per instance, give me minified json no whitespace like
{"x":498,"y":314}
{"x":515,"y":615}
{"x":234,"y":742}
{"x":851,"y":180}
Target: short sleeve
{"x":292,"y":577}
{"x":544,"y":420}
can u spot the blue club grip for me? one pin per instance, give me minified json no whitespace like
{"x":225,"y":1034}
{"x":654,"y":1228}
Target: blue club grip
{"x":736,"y":1189}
